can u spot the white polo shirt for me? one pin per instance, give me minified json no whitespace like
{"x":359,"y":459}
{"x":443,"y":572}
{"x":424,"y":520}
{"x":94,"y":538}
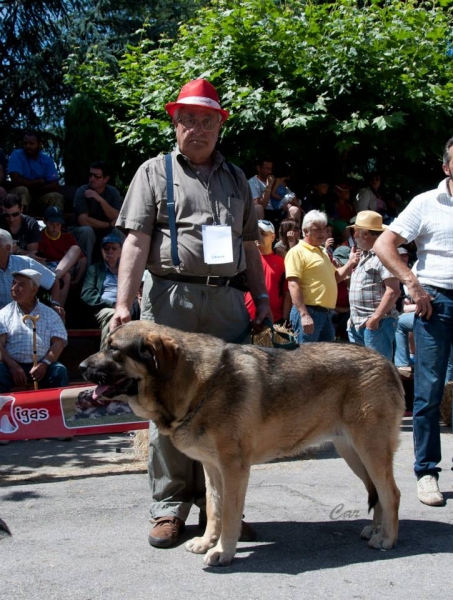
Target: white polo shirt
{"x":428,"y":220}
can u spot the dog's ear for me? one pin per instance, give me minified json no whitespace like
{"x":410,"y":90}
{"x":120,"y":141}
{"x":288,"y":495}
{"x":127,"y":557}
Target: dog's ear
{"x":160,"y":354}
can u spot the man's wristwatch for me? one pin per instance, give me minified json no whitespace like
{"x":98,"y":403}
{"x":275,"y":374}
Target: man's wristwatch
{"x":46,"y":361}
{"x":55,"y":303}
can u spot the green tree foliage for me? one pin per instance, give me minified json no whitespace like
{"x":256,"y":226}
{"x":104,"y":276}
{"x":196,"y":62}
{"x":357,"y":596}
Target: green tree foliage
{"x":88,"y":138}
{"x":332,"y":86}
{"x":37,"y":37}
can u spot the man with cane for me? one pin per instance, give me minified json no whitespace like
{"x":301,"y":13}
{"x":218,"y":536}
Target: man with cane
{"x":32,"y":337}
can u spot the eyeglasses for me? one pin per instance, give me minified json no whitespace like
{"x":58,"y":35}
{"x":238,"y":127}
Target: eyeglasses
{"x":315,"y":229}
{"x":96,"y":176}
{"x":11,"y":215}
{"x":208,"y":123}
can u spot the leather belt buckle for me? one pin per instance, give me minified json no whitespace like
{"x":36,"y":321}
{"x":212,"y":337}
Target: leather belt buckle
{"x":212,"y":278}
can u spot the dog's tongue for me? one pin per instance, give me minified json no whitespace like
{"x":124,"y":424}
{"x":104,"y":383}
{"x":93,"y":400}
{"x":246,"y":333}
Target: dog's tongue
{"x":99,"y":391}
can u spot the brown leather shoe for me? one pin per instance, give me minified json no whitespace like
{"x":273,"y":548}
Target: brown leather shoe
{"x":165,"y":531}
{"x":248,"y":534}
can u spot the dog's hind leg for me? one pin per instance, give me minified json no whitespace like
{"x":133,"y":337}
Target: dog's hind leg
{"x":352,"y":458}
{"x":377,"y":457}
{"x":214,"y":493}
{"x":235,"y":477}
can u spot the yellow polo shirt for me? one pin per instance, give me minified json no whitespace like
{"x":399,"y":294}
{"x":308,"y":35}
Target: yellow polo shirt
{"x":316,"y":274}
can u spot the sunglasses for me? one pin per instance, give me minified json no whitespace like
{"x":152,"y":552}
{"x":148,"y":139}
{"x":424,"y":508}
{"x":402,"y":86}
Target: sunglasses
{"x":11,"y":215}
{"x":95,"y":175}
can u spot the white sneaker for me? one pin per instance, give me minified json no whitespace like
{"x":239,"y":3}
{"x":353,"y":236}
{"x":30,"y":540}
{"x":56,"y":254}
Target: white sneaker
{"x":428,"y":491}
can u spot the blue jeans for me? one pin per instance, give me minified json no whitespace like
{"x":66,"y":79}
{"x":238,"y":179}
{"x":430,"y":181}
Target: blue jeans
{"x":323,"y":332}
{"x":404,"y":327}
{"x":56,"y":376}
{"x":380,"y":339}
{"x":433,"y":339}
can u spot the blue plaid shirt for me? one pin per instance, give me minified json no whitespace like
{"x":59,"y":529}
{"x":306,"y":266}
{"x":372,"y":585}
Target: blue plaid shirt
{"x":19,"y":335}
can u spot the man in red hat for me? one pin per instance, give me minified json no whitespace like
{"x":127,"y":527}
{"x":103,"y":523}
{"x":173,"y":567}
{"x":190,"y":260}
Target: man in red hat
{"x":199,"y":261}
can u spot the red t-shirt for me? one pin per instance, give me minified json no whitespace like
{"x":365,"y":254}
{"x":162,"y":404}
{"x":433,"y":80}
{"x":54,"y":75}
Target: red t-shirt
{"x":54,"y":250}
{"x":276,"y":285}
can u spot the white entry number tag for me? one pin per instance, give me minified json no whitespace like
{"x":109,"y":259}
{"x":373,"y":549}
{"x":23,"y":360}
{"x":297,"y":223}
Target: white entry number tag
{"x":217,"y":244}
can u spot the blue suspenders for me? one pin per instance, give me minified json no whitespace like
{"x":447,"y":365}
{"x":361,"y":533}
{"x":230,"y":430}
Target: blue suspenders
{"x":171,"y":207}
{"x":171,"y":210}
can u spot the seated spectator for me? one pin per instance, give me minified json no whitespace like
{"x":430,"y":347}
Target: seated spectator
{"x":329,"y":244}
{"x":343,"y":209}
{"x":10,"y":262}
{"x":288,"y":236}
{"x":33,"y":174}
{"x":368,"y":197}
{"x":100,"y":287}
{"x":23,"y":229}
{"x":60,"y":252}
{"x":341,"y":312}
{"x":96,"y":208}
{"x":274,"y":276}
{"x":16,"y":338}
{"x":318,"y":198}
{"x":261,"y":186}
{"x":283,"y":202}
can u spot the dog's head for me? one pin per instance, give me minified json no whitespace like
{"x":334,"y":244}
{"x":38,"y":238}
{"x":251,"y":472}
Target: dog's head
{"x":133,"y":361}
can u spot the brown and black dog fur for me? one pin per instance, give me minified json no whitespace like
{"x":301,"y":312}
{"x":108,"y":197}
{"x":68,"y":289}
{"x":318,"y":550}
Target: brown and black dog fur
{"x":230,"y":406}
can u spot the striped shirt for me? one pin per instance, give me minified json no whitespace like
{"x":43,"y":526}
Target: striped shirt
{"x":367,"y":288}
{"x":19,"y":335}
{"x":17,"y":263}
{"x":428,"y":219}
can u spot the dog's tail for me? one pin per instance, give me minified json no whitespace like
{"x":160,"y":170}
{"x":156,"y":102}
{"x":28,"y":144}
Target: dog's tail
{"x":372,"y":497}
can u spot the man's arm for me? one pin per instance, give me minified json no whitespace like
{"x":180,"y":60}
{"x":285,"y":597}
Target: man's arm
{"x":52,"y":355}
{"x":298,"y":301}
{"x":255,"y":280}
{"x":85,"y":219}
{"x":391,"y":294}
{"x":386,"y":248}
{"x":133,"y":261}
{"x":109,"y":211}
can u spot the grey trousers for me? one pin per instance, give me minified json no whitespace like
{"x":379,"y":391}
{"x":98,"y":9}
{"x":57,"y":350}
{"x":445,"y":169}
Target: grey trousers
{"x":176,"y":481}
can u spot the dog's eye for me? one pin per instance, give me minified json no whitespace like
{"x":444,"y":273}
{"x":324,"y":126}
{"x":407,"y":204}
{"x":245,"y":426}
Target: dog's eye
{"x":115,"y":353}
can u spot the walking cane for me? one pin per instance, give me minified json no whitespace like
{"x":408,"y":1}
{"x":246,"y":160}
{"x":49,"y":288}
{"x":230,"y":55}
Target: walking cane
{"x":35,"y":344}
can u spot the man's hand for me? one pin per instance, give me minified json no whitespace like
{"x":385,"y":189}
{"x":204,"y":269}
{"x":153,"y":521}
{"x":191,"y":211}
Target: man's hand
{"x":354,"y":257}
{"x":122,"y":315}
{"x":18,"y":374}
{"x":372,"y":323}
{"x":308,"y":324}
{"x":262,"y":311}
{"x":270,"y":181}
{"x":61,"y":311}
{"x":421,"y":298}
{"x":38,"y":372}
{"x":329,"y":242}
{"x":89,"y":193}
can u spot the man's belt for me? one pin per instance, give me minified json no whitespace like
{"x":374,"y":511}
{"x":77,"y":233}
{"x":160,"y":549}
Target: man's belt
{"x":238,"y":282}
{"x":317,"y":307}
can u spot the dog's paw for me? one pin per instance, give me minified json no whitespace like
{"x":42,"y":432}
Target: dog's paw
{"x":379,"y":542}
{"x":199,"y":545}
{"x":218,"y":558}
{"x":369,"y":531}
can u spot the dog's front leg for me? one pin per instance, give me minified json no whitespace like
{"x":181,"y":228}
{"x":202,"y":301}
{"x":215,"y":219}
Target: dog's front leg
{"x":235,"y":480}
{"x":200,"y":545}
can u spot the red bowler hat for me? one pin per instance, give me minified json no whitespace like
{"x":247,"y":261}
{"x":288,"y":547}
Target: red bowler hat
{"x":198,"y":92}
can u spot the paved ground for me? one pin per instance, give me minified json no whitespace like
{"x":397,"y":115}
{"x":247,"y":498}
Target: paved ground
{"x":78,"y":513}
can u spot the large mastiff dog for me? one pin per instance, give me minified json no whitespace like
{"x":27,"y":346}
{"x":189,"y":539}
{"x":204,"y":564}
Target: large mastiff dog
{"x":232,"y":406}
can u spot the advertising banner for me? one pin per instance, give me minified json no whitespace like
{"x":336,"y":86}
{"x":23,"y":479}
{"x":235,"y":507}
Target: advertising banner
{"x":63,"y":412}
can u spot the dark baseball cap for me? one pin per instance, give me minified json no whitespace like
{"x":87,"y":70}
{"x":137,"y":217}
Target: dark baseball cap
{"x":53,"y":214}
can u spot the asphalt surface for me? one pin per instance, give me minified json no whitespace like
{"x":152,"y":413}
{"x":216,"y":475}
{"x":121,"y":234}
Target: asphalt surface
{"x":78,"y":513}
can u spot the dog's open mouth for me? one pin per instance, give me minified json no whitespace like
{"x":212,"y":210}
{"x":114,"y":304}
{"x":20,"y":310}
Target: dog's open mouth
{"x":125,"y":385}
